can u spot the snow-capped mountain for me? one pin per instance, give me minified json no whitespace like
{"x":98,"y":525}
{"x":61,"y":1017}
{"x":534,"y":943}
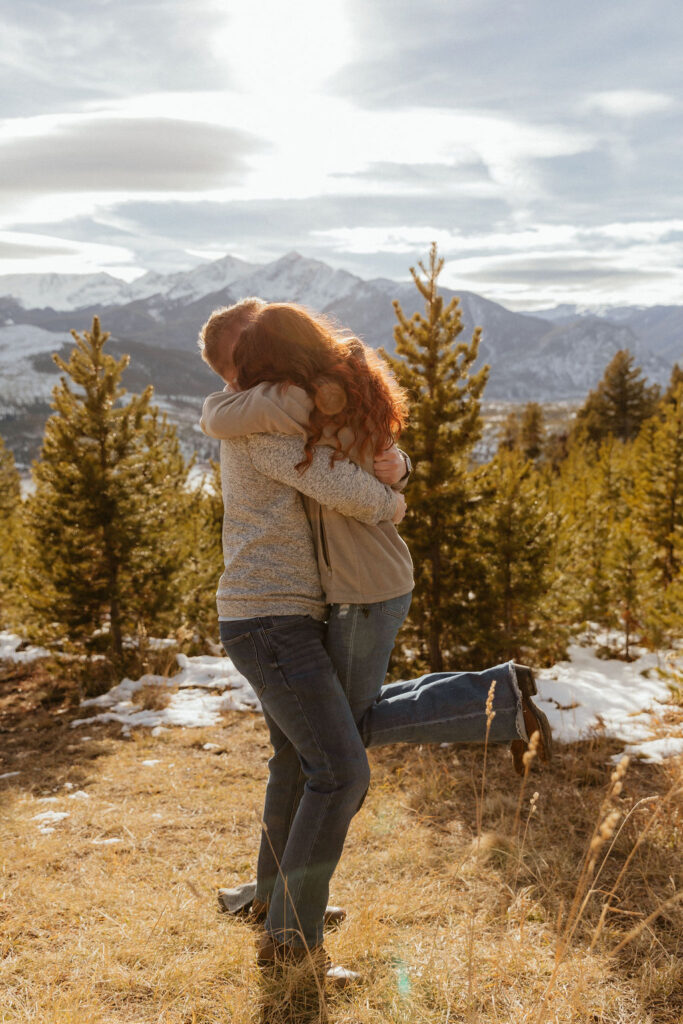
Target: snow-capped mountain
{"x":63,"y":291}
{"x":555,"y":357}
{"x":66,"y":292}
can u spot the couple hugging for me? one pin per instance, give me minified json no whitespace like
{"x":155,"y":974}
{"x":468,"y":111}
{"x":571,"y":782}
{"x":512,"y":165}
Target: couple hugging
{"x":317,"y":582}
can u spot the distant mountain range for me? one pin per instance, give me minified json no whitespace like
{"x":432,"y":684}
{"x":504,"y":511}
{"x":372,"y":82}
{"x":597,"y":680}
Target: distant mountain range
{"x":554,"y":355}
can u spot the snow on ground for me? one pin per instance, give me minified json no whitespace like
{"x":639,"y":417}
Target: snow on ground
{"x":9,"y":642}
{"x":622,"y":700}
{"x":203,"y":688}
{"x":585,"y":695}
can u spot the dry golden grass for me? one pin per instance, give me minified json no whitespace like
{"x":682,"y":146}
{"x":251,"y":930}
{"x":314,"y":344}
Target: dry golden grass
{"x":448,"y":921}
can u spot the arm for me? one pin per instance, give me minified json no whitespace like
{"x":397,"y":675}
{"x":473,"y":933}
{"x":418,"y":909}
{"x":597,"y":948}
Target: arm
{"x":264,"y":409}
{"x":344,"y":487}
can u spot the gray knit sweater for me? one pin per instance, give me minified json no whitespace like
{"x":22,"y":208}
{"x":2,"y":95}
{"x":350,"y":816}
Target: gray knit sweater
{"x":270,"y":563}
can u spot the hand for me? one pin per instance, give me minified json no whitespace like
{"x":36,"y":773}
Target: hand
{"x":389,"y":466}
{"x":400,"y":508}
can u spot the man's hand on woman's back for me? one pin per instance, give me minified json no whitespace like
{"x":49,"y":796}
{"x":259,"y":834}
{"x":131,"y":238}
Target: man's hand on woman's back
{"x":390,"y":466}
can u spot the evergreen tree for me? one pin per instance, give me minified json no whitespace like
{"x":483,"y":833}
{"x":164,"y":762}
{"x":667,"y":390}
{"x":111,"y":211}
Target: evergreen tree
{"x":619,"y":405}
{"x":590,"y":491}
{"x":555,"y":449}
{"x":10,"y":506}
{"x":659,"y":509}
{"x":509,"y":432}
{"x":532,"y":431}
{"x":205,"y":557}
{"x":514,"y":546}
{"x":675,"y":381}
{"x":106,"y":521}
{"x":437,"y":371}
{"x":626,"y":563}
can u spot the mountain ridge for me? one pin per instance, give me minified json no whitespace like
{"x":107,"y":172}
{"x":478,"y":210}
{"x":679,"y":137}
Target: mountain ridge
{"x":557,"y":357}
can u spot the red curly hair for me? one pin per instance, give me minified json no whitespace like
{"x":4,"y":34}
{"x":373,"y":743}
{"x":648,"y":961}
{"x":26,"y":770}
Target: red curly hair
{"x":350,"y":385}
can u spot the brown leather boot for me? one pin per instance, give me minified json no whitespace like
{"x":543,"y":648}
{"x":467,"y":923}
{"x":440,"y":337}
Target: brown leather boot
{"x":534,"y":721}
{"x":273,"y":956}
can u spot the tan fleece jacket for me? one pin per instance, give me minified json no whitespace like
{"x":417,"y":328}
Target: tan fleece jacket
{"x":270,"y":561}
{"x":358,"y":562}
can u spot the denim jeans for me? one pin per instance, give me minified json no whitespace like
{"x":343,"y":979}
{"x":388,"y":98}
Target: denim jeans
{"x":312,"y":730}
{"x":438,"y":707}
{"x":435,"y":708}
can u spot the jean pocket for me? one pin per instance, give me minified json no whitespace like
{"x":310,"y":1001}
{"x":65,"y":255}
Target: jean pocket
{"x":241,"y":650}
{"x":397,"y":607}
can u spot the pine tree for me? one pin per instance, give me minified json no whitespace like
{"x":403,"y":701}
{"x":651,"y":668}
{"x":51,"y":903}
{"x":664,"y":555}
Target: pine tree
{"x":591,"y":492}
{"x":659,"y":509}
{"x":619,"y":405}
{"x":204,"y":563}
{"x":10,"y":506}
{"x":514,"y":547}
{"x":437,"y":371}
{"x":675,"y":381}
{"x":532,"y":431}
{"x":106,"y":521}
{"x":626,"y":563}
{"x":509,"y":432}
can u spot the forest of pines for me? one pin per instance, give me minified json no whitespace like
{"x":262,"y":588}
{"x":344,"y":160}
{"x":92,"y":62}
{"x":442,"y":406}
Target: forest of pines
{"x":511,"y":558}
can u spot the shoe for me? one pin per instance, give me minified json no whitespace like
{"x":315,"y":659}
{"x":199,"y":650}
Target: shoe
{"x":273,"y":956}
{"x":534,"y":721}
{"x":242,"y":902}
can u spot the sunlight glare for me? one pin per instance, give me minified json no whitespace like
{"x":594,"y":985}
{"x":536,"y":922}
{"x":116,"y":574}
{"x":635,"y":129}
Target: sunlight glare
{"x":273,"y":48}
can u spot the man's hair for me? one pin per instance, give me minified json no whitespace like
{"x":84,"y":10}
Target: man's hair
{"x":210,"y":338}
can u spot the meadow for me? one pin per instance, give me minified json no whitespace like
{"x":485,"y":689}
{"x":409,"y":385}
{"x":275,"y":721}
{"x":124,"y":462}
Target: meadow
{"x":471,"y":897}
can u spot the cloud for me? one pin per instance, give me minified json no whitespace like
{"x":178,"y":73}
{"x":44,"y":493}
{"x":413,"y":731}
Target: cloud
{"x":526,"y":56}
{"x":126,"y":155}
{"x":56,"y":57}
{"x":628,"y":102}
{"x":471,"y":172}
{"x":28,"y":251}
{"x":276,"y":224}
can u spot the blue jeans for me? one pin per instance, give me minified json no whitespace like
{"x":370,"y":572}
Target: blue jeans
{"x":440,"y":707}
{"x":312,"y":730}
{"x":341,"y":705}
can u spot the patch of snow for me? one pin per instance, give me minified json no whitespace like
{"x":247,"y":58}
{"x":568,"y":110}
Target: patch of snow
{"x":583,"y":695}
{"x":8,"y":775}
{"x":52,"y":816}
{"x":203,"y":688}
{"x":149,"y":764}
{"x":622,"y":700}
{"x":105,"y":842}
{"x":654,"y":751}
{"x":80,"y":794}
{"x":9,"y":642}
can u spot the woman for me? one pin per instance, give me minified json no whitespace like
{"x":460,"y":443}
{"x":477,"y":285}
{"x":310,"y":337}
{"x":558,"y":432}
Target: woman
{"x":295,"y":375}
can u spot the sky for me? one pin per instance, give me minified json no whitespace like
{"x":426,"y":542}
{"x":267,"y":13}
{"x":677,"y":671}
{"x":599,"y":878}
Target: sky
{"x":538,"y":143}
